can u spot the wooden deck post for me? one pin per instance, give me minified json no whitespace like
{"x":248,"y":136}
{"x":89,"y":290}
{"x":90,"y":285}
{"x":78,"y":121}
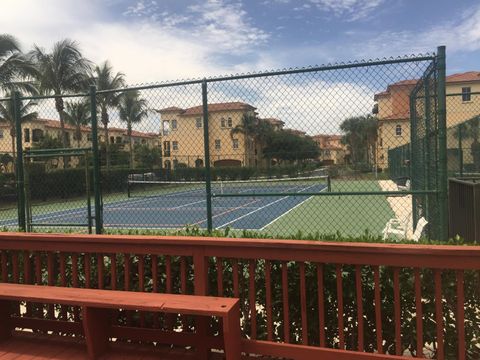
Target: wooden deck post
{"x":232,"y":334}
{"x":96,"y":326}
{"x":200,"y":266}
{"x":5,"y":321}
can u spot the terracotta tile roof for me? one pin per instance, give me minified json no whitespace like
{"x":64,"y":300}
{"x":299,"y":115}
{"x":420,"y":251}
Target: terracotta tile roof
{"x":397,"y":116}
{"x":461,"y":77}
{"x":228,"y":106}
{"x":135,"y":133}
{"x":55,"y":124}
{"x":215,"y":107}
{"x":170,"y":109}
{"x":464,"y":77}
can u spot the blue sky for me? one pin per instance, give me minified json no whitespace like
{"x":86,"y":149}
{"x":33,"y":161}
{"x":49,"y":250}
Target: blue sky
{"x":153,"y":40}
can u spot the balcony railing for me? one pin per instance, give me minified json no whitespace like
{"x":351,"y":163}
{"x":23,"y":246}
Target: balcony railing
{"x":300,"y":299}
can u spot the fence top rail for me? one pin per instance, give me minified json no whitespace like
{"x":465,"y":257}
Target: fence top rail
{"x":376,"y":254}
{"x":307,"y":69}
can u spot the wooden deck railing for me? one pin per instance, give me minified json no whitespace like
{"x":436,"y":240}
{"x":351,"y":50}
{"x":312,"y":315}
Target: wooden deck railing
{"x":300,"y":299}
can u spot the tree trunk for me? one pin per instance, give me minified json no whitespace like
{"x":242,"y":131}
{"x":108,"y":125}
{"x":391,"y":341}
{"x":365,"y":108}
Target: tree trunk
{"x":60,"y":107}
{"x":12,"y":135}
{"x":105,"y":121}
{"x":129,"y":134}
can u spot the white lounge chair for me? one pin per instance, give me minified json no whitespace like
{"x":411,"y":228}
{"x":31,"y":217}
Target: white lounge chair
{"x":405,"y":187}
{"x":397,"y":227}
{"x":421,"y":223}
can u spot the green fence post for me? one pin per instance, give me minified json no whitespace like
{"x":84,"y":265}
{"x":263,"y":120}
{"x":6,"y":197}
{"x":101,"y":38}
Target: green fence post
{"x":412,"y":171}
{"x":442,"y":145}
{"x":19,"y":166}
{"x":460,"y":150}
{"x":96,"y":162}
{"x":206,"y":144}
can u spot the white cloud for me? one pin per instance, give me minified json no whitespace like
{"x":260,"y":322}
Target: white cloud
{"x":149,"y":47}
{"x":461,"y":35}
{"x":351,"y":9}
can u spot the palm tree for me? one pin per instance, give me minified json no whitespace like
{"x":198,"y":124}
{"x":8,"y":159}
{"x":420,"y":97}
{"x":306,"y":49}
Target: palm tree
{"x":254,"y":130}
{"x":16,"y":71}
{"x":62,"y":71}
{"x":78,"y":115}
{"x":105,"y":79}
{"x":132,"y":110}
{"x":7,"y":115}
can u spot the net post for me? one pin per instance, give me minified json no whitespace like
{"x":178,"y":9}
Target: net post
{"x":329,"y":183}
{"x":96,"y":161}
{"x":206,"y":144}
{"x":442,"y":144}
{"x":19,"y":168}
{"x":89,"y":195}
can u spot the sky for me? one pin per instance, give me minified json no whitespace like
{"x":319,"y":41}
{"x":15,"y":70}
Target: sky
{"x":157,"y":40}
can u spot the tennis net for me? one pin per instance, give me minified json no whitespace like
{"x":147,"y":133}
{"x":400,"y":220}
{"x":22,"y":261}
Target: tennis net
{"x":158,"y":188}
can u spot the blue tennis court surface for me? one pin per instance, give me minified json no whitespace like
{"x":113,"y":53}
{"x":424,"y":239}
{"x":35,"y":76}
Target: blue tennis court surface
{"x":179,"y":208}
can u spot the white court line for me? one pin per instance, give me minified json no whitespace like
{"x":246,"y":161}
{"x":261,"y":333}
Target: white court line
{"x":286,"y":212}
{"x":261,"y":208}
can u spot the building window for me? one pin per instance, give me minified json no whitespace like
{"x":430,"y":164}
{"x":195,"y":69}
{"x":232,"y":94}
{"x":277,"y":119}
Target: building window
{"x":222,"y":122}
{"x":166,"y":148}
{"x":175,"y":163}
{"x":466,"y":93}
{"x":1,"y":134}
{"x":235,"y":143}
{"x":26,"y":135}
{"x":166,"y":127}
{"x":198,"y":122}
{"x":89,"y":137}
{"x":37,"y":135}
{"x":118,"y":140}
{"x":229,"y":122}
{"x":398,"y":130}
{"x":112,"y":140}
{"x":217,"y":144}
{"x":174,"y":125}
{"x":327,"y":153}
{"x":175,"y":145}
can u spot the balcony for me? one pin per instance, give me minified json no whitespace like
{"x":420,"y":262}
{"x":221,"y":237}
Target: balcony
{"x":299,"y":299}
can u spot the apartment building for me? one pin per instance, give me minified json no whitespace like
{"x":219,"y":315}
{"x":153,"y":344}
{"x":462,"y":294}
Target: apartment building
{"x":35,"y":130}
{"x":332,"y":151}
{"x":182,"y":136}
{"x":393,"y":112}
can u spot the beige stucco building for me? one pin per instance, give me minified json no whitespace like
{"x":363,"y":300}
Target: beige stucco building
{"x":182,"y":136}
{"x":393,"y":113}
{"x":332,"y":151}
{"x":34,"y":131}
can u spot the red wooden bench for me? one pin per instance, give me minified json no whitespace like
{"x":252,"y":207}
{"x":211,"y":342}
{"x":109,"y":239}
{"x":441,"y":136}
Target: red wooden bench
{"x":96,"y":308}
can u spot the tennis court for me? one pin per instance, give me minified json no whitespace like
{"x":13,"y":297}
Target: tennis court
{"x":154,"y":204}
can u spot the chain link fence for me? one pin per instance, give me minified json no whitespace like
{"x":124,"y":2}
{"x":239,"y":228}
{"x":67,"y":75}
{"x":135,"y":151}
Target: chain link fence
{"x":302,"y":151}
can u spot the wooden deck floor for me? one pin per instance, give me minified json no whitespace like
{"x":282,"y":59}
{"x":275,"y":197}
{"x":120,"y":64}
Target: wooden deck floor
{"x":23,"y":346}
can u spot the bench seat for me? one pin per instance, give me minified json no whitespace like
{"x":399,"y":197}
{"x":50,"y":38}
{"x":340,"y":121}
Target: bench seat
{"x":96,"y":308}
